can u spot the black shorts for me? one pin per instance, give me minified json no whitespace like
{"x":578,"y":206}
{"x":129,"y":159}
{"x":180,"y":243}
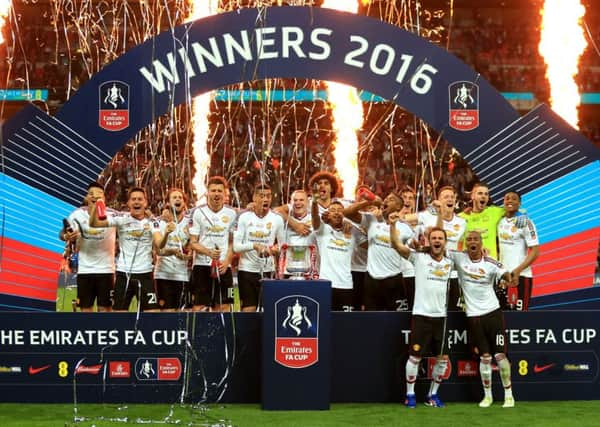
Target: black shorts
{"x":426,"y":335}
{"x":92,"y":287}
{"x":341,"y":299}
{"x":406,"y":297}
{"x":454,"y":296}
{"x":139,"y":285}
{"x":208,"y":291}
{"x":486,"y":333}
{"x":358,"y":289}
{"x":251,"y":288}
{"x":171,"y":293}
{"x":383,"y":294}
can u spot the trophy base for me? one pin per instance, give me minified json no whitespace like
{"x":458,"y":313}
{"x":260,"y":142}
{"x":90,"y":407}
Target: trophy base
{"x":297,"y":276}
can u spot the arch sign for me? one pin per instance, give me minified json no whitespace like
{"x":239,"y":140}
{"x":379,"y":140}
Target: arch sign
{"x":47,"y":162}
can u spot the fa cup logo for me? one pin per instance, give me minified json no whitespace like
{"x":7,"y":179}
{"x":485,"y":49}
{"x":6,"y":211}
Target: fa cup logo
{"x":295,"y":315}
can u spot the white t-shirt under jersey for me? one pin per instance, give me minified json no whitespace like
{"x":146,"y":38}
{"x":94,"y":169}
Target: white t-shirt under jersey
{"x":335,"y":251}
{"x":253,"y":229}
{"x":213,"y":230}
{"x":477,"y":279}
{"x":431,"y":283}
{"x":170,"y":267}
{"x":514,"y":243}
{"x":135,"y":242}
{"x":382,"y":260}
{"x":97,"y":245}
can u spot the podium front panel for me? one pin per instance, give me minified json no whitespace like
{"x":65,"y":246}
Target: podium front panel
{"x":296,"y":371}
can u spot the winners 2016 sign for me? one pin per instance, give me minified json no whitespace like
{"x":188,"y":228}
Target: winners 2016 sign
{"x":537,"y":155}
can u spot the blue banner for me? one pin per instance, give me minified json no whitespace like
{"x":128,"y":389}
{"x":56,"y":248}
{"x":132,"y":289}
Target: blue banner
{"x":210,"y":357}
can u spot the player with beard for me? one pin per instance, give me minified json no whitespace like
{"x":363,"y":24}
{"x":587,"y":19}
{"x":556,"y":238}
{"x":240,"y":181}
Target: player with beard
{"x":483,"y":218}
{"x":171,"y":269}
{"x":254,"y":239}
{"x":137,"y":237}
{"x":96,"y":252}
{"x":383,"y":283}
{"x":477,"y":275}
{"x":326,"y":186}
{"x":211,"y":239}
{"x":454,"y":226}
{"x":336,"y":240}
{"x":428,"y":322}
{"x":519,"y":248}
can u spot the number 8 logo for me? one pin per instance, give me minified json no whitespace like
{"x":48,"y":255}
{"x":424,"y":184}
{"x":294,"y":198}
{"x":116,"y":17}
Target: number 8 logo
{"x":63,"y":369}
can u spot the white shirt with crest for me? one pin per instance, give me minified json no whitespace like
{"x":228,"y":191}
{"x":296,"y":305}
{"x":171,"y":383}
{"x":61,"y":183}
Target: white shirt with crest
{"x":97,"y":245}
{"x":135,"y":242}
{"x":213,"y":230}
{"x":253,"y":229}
{"x":477,"y":280}
{"x":514,"y":243}
{"x":170,"y":267}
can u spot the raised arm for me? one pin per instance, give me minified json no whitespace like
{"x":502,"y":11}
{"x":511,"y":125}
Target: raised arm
{"x":314,"y":213}
{"x":94,"y":220}
{"x":352,"y":212}
{"x":396,"y":242}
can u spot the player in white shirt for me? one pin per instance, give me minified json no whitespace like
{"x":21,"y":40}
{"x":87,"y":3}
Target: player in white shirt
{"x":254,"y":238}
{"x":300,"y":213}
{"x":295,"y":235}
{"x":138,"y":235}
{"x":171,"y":270}
{"x":360,"y":256}
{"x":408,"y":211}
{"x":211,"y":239}
{"x":455,"y":228}
{"x":428,"y":331}
{"x":519,"y":248}
{"x":96,"y":255}
{"x":336,"y":240}
{"x":477,"y":275}
{"x":326,"y":185}
{"x":383,"y":284}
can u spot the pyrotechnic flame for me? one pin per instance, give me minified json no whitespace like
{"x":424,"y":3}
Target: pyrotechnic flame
{"x":347,"y":112}
{"x":200,"y":110}
{"x":4,"y":10}
{"x":562,"y":43}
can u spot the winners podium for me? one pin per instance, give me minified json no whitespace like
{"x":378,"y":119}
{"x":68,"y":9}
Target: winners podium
{"x":296,"y":340}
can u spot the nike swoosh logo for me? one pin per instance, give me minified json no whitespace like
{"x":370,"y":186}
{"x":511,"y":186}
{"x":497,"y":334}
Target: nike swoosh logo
{"x":33,"y":371}
{"x":537,"y":369}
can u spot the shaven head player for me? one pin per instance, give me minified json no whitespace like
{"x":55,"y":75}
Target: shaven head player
{"x":477,"y":275}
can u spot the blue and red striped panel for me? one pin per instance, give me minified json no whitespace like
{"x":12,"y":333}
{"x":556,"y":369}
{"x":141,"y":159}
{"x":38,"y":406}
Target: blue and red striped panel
{"x":28,"y":271}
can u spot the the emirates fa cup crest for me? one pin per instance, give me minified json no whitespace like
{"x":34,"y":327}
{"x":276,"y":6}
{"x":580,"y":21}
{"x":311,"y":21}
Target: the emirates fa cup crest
{"x":297,"y":334}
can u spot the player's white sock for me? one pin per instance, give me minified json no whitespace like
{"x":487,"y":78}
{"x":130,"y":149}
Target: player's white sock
{"x":485,"y":370}
{"x":412,"y":370}
{"x":438,"y":372}
{"x":504,"y":368}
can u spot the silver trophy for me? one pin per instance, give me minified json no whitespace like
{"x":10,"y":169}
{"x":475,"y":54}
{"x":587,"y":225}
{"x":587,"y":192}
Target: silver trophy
{"x":297,"y":261}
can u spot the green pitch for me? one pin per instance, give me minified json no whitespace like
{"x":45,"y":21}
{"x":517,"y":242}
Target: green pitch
{"x":580,"y":413}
